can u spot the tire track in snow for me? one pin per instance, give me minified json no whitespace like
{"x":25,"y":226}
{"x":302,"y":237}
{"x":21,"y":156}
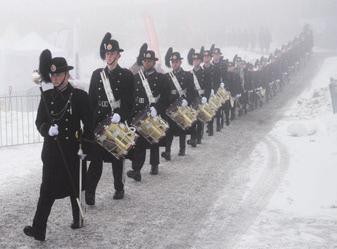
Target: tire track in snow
{"x":238,"y":216}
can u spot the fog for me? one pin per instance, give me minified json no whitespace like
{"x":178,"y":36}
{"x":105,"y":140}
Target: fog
{"x":180,"y":24}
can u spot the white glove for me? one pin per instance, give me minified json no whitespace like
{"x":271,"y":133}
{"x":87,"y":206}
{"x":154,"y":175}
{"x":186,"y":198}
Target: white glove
{"x":238,"y":96}
{"x":222,"y":85}
{"x":153,"y":111}
{"x":115,"y":118}
{"x":204,"y":100}
{"x":184,"y":103}
{"x":53,"y":130}
{"x":81,"y":154}
{"x":212,"y":92}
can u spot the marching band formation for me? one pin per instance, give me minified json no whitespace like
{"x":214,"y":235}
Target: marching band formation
{"x":124,"y":114}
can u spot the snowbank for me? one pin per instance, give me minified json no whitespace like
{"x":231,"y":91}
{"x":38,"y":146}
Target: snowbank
{"x":303,"y":211}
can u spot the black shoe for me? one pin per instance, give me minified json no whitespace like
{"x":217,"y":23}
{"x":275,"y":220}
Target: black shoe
{"x":166,"y":155}
{"x":154,"y":170}
{"x":134,"y":175}
{"x":89,"y":198}
{"x":29,"y":231}
{"x":210,"y":133}
{"x":199,"y":141}
{"x":119,"y":194}
{"x":182,"y":152}
{"x":218,"y":128}
{"x":76,"y":225}
{"x":227,"y":122}
{"x":192,"y":142}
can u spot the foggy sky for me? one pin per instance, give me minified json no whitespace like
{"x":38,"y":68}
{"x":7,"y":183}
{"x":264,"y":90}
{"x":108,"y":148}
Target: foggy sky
{"x":177,"y":22}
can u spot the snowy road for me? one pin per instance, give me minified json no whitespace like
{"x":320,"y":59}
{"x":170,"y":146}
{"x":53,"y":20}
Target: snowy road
{"x":207,"y":199}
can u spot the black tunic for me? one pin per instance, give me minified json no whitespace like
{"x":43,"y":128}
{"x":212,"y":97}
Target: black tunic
{"x":122,"y":86}
{"x":203,"y":79}
{"x":159,"y":86}
{"x":186,"y":83}
{"x":67,"y":109}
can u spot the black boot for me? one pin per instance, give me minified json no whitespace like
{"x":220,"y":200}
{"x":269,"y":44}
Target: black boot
{"x":182,"y":152}
{"x":76,"y":225}
{"x":166,"y":155}
{"x":134,"y":175}
{"x":119,"y":194}
{"x":154,"y":170}
{"x":199,"y":141}
{"x":38,"y":235}
{"x":89,"y":198}
{"x":192,"y":142}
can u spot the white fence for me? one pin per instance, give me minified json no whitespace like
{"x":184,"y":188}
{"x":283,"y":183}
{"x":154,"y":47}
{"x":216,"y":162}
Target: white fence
{"x":17,"y":120}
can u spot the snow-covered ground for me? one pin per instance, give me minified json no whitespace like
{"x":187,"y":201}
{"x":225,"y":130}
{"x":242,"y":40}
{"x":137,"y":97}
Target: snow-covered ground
{"x":303,"y":211}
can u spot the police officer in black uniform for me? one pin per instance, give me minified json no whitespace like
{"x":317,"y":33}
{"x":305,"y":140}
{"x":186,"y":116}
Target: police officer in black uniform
{"x":122,"y":85}
{"x":159,"y":87}
{"x":61,"y":110}
{"x":185,"y":80}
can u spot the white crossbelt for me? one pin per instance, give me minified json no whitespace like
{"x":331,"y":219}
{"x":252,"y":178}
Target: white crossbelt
{"x":108,"y":91}
{"x":147,"y":88}
{"x":176,"y":84}
{"x":196,"y":83}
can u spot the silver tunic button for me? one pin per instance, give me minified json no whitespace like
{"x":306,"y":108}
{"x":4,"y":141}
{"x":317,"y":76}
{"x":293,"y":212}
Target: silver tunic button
{"x":67,"y":138}
{"x":52,"y":103}
{"x":66,"y":128}
{"x":99,"y":112}
{"x":67,"y":120}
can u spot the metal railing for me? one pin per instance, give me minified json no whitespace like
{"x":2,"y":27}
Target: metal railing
{"x":17,"y":120}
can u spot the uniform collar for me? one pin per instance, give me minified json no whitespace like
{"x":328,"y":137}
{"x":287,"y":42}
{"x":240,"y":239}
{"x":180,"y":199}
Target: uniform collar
{"x":178,"y":71}
{"x":196,"y":69}
{"x":115,"y":70}
{"x":149,"y":72}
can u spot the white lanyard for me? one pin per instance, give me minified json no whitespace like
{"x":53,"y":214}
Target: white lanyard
{"x":195,"y":80}
{"x":107,"y":88}
{"x":147,"y":88}
{"x":176,"y":83}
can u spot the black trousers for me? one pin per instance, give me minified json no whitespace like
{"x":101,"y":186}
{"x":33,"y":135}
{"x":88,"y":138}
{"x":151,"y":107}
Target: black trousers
{"x":95,"y":172}
{"x":199,"y":130}
{"x":219,"y":118}
{"x":169,"y":140}
{"x":210,"y":128}
{"x":139,"y":155}
{"x":227,"y":107}
{"x":43,"y":209}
